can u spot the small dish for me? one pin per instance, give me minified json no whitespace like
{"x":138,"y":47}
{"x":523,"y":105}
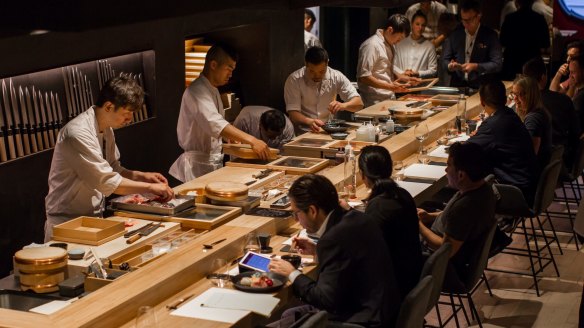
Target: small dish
{"x":339,"y":135}
{"x":335,"y":128}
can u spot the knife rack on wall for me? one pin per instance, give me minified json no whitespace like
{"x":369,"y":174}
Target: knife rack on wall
{"x":35,"y":106}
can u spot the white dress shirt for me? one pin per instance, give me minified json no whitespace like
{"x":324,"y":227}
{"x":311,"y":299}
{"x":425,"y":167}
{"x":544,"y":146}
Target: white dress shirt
{"x":436,"y":9}
{"x":375,"y":59}
{"x":417,"y":55}
{"x":311,"y":40}
{"x":312,"y":98}
{"x":200,"y":122}
{"x":83,"y":171}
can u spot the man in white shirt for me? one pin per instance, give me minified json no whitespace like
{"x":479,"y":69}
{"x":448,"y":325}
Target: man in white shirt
{"x":432,"y":10}
{"x":201,"y":123}
{"x":267,"y":124}
{"x":311,"y":92}
{"x":310,"y":40}
{"x":86,"y":164}
{"x":415,"y":55}
{"x":375,"y":76}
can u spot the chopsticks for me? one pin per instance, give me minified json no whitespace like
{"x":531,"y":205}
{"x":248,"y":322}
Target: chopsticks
{"x":293,"y":244}
{"x":174,"y":305}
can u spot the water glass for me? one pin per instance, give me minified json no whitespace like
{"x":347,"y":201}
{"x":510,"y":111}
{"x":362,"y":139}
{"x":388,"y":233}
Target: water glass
{"x":220,"y":273}
{"x":251,"y":243}
{"x":398,"y":170}
{"x":146,"y":317}
{"x":423,"y":157}
{"x":160,"y":247}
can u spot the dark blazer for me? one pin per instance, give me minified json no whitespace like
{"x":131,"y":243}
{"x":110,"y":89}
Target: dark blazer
{"x":486,"y":52}
{"x":396,"y":215}
{"x":509,"y":150}
{"x":355,"y":281}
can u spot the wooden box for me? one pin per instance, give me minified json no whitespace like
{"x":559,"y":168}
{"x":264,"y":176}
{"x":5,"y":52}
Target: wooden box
{"x":92,"y":283}
{"x":299,"y":165}
{"x":206,"y":217}
{"x":249,"y":163}
{"x":245,"y":151}
{"x":88,"y":230}
{"x":306,"y":147}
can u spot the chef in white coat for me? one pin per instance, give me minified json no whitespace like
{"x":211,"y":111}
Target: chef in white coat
{"x":201,"y":123}
{"x":86,"y":164}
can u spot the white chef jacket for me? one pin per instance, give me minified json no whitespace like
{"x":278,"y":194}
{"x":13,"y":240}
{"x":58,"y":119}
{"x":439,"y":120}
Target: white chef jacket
{"x":200,"y":123}
{"x":311,"y":40}
{"x":311,"y":98}
{"x":83,"y":171}
{"x":375,"y":59}
{"x":248,"y":121}
{"x":418,"y":55}
{"x":436,"y":9}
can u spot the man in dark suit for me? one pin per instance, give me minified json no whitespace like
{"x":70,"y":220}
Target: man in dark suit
{"x":472,"y":49}
{"x":356,"y":282}
{"x":506,"y":141}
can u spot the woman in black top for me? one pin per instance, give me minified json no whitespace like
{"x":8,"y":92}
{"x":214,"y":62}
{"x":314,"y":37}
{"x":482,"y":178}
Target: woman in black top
{"x":394,"y":209}
{"x":530,"y":109}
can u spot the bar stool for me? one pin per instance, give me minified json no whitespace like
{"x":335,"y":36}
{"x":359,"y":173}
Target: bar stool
{"x":513,"y":203}
{"x":435,"y":266}
{"x":413,"y":308}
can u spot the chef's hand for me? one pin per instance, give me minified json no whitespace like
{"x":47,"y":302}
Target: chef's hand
{"x":469,"y":67}
{"x":281,"y":267}
{"x":153,"y":177}
{"x":398,"y":87}
{"x":316,"y":124}
{"x":453,"y":65}
{"x":413,"y":81}
{"x":261,"y":149}
{"x":161,"y":190}
{"x":412,"y":73}
{"x":335,"y":107}
{"x":304,"y":245}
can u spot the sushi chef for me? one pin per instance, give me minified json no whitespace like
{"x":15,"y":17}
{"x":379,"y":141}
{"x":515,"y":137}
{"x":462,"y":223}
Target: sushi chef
{"x":86,"y":164}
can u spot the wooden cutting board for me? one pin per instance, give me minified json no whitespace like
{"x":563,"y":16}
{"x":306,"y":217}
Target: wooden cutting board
{"x":245,"y":151}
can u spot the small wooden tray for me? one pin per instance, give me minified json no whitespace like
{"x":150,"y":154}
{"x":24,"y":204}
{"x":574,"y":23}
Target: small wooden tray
{"x":441,"y":99}
{"x":206,"y":217}
{"x":245,"y":151}
{"x":88,"y":230}
{"x":424,"y":85}
{"x":299,"y":165}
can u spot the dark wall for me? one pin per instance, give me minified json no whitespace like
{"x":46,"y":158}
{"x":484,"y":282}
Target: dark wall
{"x":271,"y":47}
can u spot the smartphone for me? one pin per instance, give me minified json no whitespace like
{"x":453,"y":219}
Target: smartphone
{"x":283,"y":202}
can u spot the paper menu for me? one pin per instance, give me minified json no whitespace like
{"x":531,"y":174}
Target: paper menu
{"x":440,"y":152}
{"x":414,"y":188}
{"x":425,"y":171}
{"x":200,"y":307}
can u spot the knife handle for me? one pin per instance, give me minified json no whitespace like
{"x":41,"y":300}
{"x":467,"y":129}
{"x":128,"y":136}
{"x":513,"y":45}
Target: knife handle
{"x":133,"y":238}
{"x":3,"y":157}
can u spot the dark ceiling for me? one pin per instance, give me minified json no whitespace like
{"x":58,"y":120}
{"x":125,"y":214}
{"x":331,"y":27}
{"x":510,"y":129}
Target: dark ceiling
{"x":77,"y":15}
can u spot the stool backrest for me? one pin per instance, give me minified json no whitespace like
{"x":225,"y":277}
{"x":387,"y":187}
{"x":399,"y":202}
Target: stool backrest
{"x":413,"y":308}
{"x":435,"y":266}
{"x":546,"y":186}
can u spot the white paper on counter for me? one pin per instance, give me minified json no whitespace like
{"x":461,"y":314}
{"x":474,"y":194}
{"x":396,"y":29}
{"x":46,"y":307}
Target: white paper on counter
{"x":289,"y":240}
{"x":262,"y":304}
{"x":414,"y":188}
{"x":462,"y":137}
{"x":51,"y":307}
{"x":193,"y":309}
{"x":425,"y":171}
{"x":440,"y":152}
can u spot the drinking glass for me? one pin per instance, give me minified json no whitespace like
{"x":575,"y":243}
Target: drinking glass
{"x":251,"y":243}
{"x":146,"y":317}
{"x":398,"y":170}
{"x":421,"y":133}
{"x":423,"y":157}
{"x":220,"y":272}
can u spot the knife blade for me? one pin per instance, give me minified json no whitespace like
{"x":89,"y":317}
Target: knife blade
{"x":74,"y":99}
{"x":90,"y":92}
{"x":98,"y":72}
{"x":57,"y":123}
{"x":80,"y":89}
{"x":135,"y":231}
{"x":9,"y":123}
{"x":50,"y":140}
{"x":43,"y":120}
{"x":143,"y":233}
{"x":144,"y":109}
{"x":16,"y":117}
{"x":85,"y":92}
{"x":59,"y":111}
{"x":67,"y":95}
{"x":50,"y":121}
{"x":3,"y":154}
{"x":27,"y":133}
{"x":34,"y":122}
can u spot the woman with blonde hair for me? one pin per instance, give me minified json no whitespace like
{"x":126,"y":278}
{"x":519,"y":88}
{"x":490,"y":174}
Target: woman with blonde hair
{"x":530,"y":108}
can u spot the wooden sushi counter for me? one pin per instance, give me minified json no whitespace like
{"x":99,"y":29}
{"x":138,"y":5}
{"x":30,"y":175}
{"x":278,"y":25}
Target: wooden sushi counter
{"x":182,"y":272}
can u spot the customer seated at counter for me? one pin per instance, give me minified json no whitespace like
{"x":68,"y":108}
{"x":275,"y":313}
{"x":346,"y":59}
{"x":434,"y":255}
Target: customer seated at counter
{"x":506,"y":141}
{"x":394,"y":211}
{"x":311,"y":92}
{"x":267,"y":124}
{"x":467,"y":216}
{"x":356,"y":281}
{"x":86,"y":164}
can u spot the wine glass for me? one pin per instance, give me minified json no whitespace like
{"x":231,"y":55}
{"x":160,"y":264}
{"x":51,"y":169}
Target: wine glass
{"x":220,"y":272}
{"x":421,"y":133}
{"x":146,"y":318}
{"x":251,"y":243}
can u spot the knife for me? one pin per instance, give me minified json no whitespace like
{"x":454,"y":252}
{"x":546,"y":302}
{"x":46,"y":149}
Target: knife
{"x":143,"y":233}
{"x":86,"y":92}
{"x":144,"y":109}
{"x":74,"y":97}
{"x":135,"y":231}
{"x":29,"y":139}
{"x":16,"y":119}
{"x":98,"y":73}
{"x":43,"y":120}
{"x":67,"y":94}
{"x":36,"y":137}
{"x":3,"y":155}
{"x":59,"y":111}
{"x":9,"y":130}
{"x":80,"y":89}
{"x":50,"y":121}
{"x":50,"y":141}
{"x":90,"y":92}
{"x":56,"y":121}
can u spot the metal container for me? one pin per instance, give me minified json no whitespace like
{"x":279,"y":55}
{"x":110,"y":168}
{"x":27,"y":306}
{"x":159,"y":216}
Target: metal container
{"x":186,"y":201}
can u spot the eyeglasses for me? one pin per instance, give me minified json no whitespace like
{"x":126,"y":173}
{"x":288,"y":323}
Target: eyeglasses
{"x":468,"y":20}
{"x":513,"y":95}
